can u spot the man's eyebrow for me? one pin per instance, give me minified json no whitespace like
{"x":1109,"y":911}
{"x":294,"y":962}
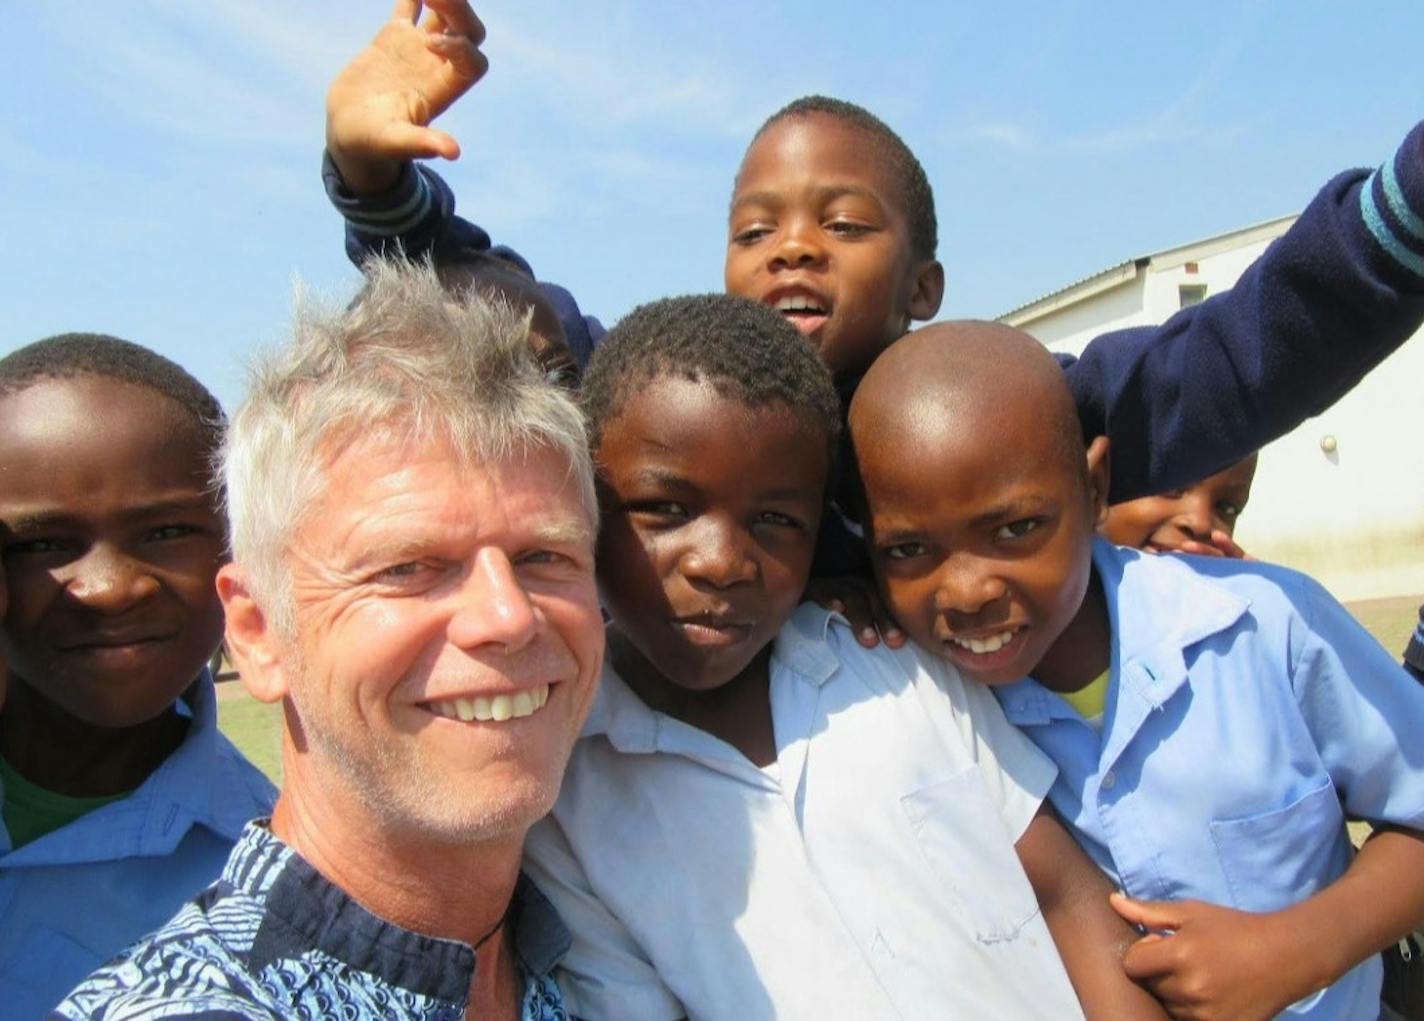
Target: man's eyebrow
{"x":566,"y":532}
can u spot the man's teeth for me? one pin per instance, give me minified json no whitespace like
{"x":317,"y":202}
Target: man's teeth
{"x":798,"y":304}
{"x":499,"y":708}
{"x":982,"y":645}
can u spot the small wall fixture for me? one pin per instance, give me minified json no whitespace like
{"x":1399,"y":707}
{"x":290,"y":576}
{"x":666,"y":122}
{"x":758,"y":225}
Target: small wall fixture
{"x":1328,"y":443}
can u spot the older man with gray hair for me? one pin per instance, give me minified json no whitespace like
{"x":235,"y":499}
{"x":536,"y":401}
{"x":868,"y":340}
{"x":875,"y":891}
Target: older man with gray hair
{"x":413,"y":518}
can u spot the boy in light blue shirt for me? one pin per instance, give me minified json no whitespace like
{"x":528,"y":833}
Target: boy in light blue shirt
{"x":1214,"y":722}
{"x":119,"y":798}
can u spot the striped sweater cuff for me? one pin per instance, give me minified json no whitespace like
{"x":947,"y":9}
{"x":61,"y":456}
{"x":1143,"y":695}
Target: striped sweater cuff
{"x":1392,"y":204}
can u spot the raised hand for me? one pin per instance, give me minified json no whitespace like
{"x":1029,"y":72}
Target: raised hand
{"x":379,"y":108}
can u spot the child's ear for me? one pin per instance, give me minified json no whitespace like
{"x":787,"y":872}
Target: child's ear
{"x":1098,"y":478}
{"x":252,"y":642}
{"x":928,"y":291}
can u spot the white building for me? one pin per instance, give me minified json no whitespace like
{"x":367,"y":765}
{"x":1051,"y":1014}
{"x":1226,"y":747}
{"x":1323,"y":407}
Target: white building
{"x":1341,"y":497}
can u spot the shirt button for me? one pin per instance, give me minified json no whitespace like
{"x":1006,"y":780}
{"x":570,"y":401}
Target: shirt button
{"x":1109,"y":778}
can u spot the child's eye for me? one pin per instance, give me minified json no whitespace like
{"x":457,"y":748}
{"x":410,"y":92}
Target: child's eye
{"x":905,"y":550}
{"x":659,"y":509}
{"x":848,"y":228}
{"x":750,"y":235}
{"x":1017,"y":529}
{"x":1228,"y":511}
{"x":777,"y":520}
{"x":36,"y":547}
{"x":164,"y":532}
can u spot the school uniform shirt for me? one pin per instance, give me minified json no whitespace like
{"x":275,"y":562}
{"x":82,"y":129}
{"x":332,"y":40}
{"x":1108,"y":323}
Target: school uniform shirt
{"x":1248,"y":714}
{"x":273,"y":938}
{"x":75,"y":897}
{"x":869,"y":872}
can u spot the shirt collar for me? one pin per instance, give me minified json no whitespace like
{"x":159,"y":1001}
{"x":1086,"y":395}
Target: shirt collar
{"x":304,"y":911}
{"x":203,"y":782}
{"x":633,"y":728}
{"x":1159,"y":606}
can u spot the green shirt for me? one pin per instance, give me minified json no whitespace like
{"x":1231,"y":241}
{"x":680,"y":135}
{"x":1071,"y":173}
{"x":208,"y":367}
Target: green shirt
{"x":30,"y":811}
{"x":1091,"y":700}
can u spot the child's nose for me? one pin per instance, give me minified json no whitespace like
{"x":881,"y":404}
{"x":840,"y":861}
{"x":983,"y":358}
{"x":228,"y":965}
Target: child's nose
{"x":1193,"y":516}
{"x":109,"y":581}
{"x":967,"y":586}
{"x":720,"y":556}
{"x":799,"y":246}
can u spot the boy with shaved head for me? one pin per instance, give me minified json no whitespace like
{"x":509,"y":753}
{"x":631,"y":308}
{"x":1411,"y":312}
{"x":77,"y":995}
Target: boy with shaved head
{"x":1214,"y":721}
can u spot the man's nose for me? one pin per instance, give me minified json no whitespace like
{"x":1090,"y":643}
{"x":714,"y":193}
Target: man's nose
{"x":495,"y":607}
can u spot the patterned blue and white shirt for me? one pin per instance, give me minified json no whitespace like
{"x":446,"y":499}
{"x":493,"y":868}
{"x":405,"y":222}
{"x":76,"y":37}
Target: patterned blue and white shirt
{"x":272,"y":938}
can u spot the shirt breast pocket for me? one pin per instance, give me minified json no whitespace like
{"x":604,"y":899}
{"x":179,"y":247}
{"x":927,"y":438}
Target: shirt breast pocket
{"x":1275,"y":858}
{"x":963,"y":839}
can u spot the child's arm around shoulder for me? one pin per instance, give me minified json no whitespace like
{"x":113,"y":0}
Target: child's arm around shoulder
{"x":1073,"y":894}
{"x":1321,"y":307}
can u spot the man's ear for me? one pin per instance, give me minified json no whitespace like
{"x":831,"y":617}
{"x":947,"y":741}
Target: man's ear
{"x":1098,"y":478}
{"x":252,"y":641}
{"x":928,"y":291}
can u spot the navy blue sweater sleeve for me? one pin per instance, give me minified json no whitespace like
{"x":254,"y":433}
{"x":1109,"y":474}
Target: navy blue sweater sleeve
{"x":1322,"y":306}
{"x":1326,"y":303}
{"x":416,"y":216}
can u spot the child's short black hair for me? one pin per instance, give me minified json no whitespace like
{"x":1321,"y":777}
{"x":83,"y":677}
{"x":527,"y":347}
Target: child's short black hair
{"x":745,"y":350}
{"x":70,"y":355}
{"x":919,"y":196}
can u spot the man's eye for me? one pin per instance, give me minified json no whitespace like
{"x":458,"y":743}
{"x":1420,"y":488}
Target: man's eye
{"x":403,"y":572}
{"x":1017,"y":529}
{"x":905,"y":550}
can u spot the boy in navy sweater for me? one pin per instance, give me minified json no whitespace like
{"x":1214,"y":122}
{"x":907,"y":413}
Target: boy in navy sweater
{"x":832,"y":222}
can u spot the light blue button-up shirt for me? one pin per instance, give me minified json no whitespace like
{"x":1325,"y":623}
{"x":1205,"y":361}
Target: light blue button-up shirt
{"x":76,"y":896}
{"x":1247,"y":714}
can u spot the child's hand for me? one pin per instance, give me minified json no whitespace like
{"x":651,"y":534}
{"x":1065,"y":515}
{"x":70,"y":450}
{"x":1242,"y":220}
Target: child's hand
{"x":1221,"y":545}
{"x":857,"y":599}
{"x":380,"y":106}
{"x":1213,"y":963}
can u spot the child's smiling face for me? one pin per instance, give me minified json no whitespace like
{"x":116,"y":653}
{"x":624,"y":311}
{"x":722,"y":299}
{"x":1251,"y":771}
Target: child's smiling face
{"x":114,"y":541}
{"x":710,"y":511}
{"x":1164,"y":522}
{"x":981,"y":516}
{"x":818,"y":231}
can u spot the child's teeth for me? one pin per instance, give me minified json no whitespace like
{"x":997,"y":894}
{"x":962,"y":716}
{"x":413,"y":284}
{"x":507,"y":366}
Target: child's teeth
{"x":980,"y":646}
{"x":797,"y":304}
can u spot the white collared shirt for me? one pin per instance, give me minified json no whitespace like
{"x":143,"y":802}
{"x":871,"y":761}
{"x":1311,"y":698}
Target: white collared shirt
{"x":871,"y":874}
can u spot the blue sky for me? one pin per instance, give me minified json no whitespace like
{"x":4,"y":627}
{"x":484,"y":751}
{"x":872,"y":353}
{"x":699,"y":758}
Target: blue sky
{"x":159,"y":161}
